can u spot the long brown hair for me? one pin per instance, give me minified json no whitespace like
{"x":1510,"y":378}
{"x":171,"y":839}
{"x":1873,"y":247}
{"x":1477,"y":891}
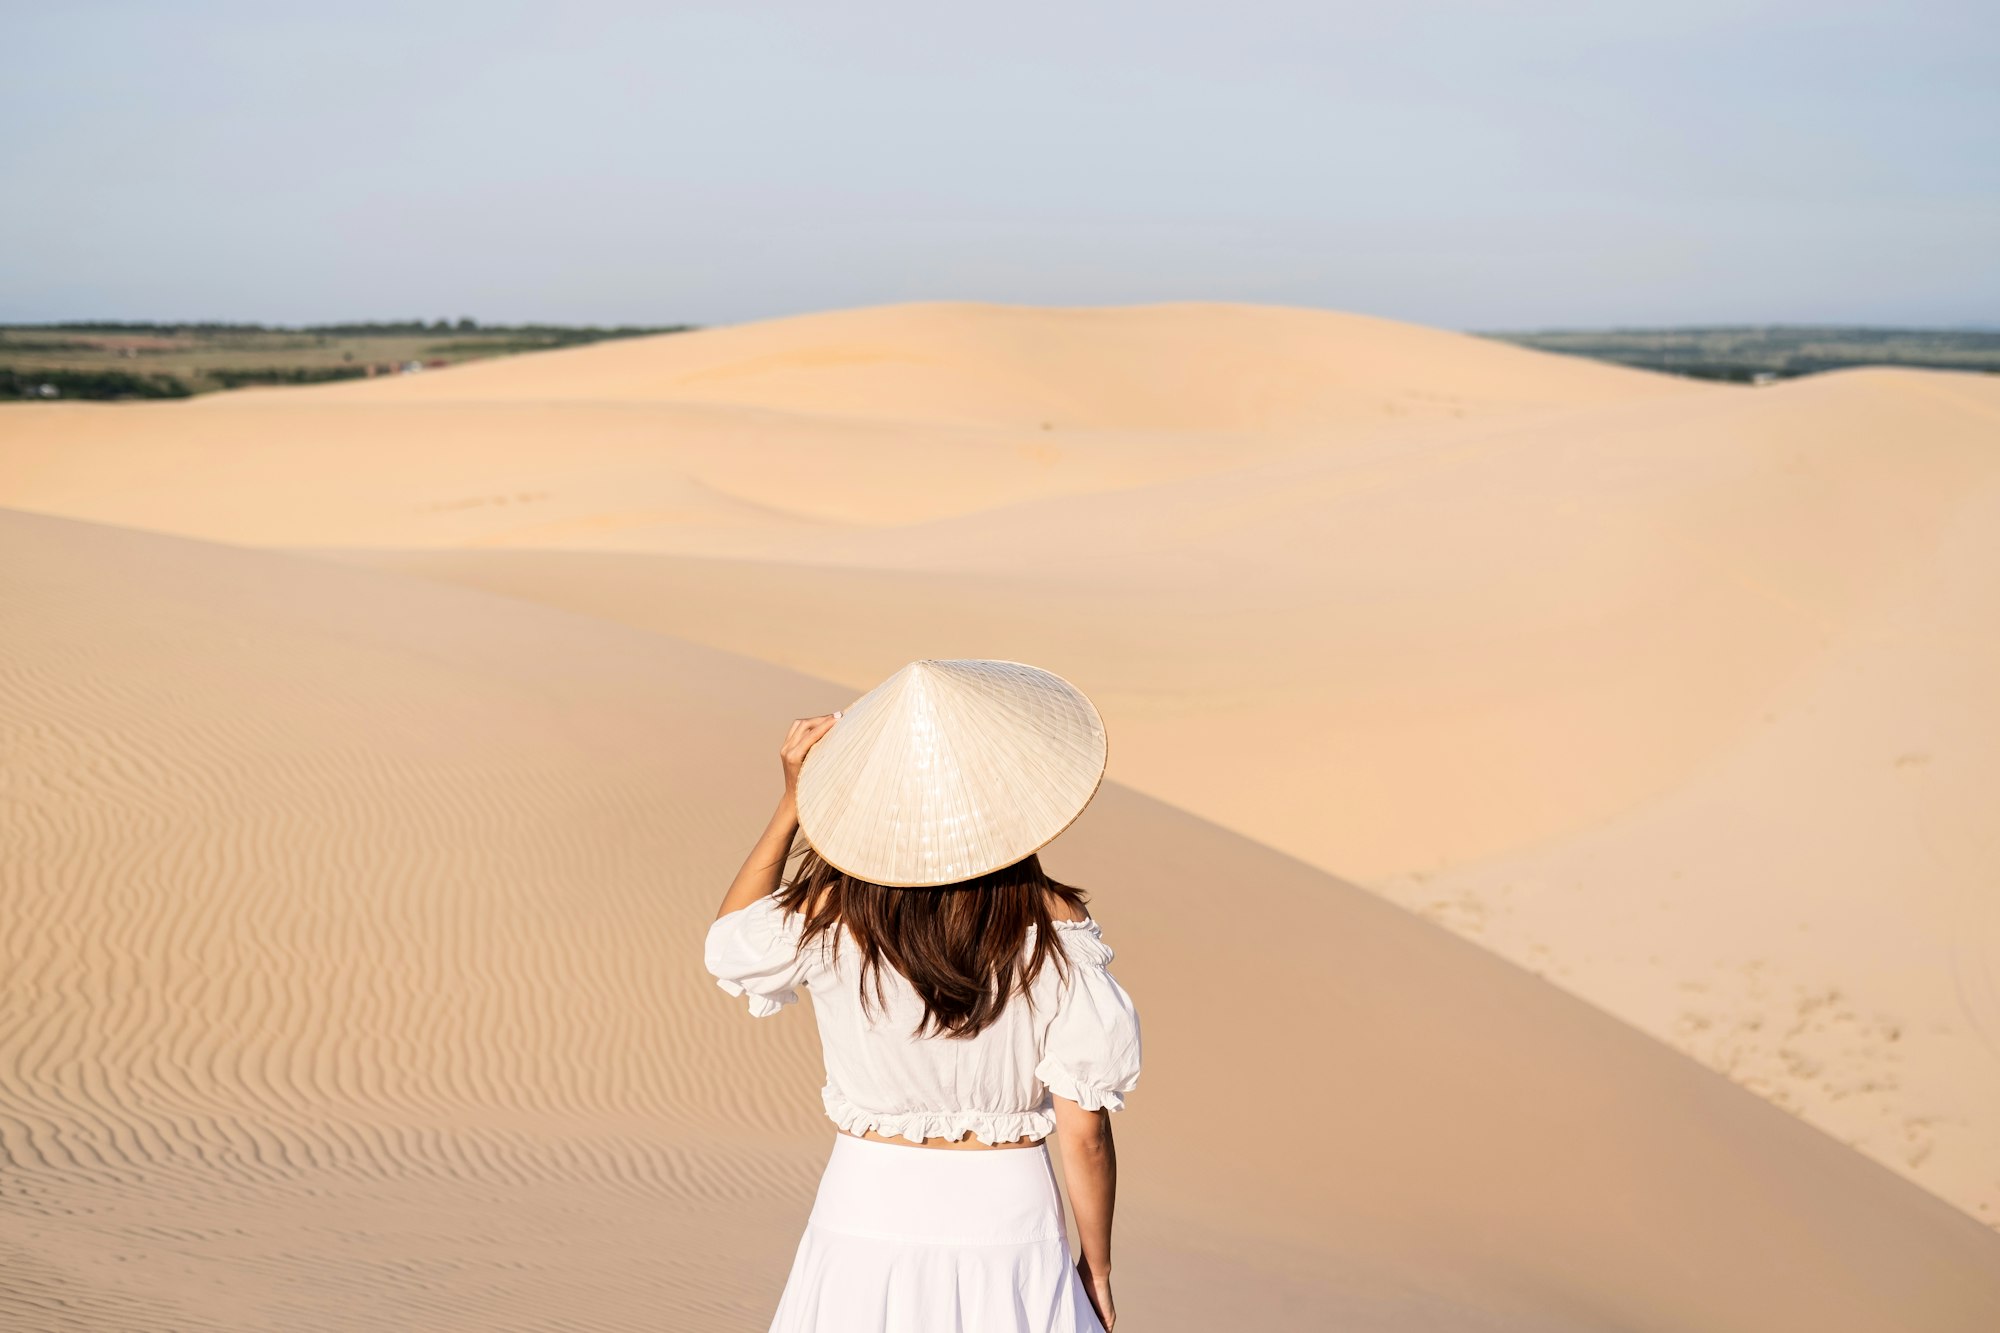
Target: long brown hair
{"x":959,"y":945}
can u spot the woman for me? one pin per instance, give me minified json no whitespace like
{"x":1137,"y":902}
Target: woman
{"x":964,"y":1005}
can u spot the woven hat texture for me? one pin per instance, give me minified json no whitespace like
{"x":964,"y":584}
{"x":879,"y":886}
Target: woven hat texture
{"x":951,"y":768}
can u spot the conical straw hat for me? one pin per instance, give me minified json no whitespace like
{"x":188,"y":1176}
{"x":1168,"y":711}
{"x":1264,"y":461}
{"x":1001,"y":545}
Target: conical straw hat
{"x":949,"y":769}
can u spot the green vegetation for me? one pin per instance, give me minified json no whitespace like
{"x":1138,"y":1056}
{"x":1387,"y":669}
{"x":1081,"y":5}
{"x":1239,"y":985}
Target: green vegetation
{"x":1756,"y":353}
{"x":237,"y":377}
{"x":108,"y":359}
{"x":87,"y":384}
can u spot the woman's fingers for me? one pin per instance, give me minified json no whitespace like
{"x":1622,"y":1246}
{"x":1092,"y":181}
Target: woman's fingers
{"x":804,"y":733}
{"x":804,"y":724}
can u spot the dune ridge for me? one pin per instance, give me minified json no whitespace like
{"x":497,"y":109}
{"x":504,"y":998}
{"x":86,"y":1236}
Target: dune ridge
{"x":1173,"y":366}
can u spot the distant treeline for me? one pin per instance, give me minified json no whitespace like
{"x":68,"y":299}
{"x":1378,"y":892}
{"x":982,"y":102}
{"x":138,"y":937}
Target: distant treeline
{"x":380,"y":328}
{"x":96,"y":384}
{"x":115,"y":384}
{"x":501,"y":346}
{"x":50,"y":344}
{"x":531,"y":334}
{"x":1762,"y":352}
{"x":236,"y":379}
{"x":94,"y":359}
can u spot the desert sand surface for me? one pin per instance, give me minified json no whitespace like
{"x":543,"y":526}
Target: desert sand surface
{"x":350,"y":983}
{"x":1663,"y":707}
{"x":1672,"y":692}
{"x":1685,"y":704}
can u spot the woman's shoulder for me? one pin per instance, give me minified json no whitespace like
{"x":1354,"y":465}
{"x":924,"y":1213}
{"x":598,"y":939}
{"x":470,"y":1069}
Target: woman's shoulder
{"x":1075,"y":926}
{"x":1078,"y":933}
{"x":1062,"y":909}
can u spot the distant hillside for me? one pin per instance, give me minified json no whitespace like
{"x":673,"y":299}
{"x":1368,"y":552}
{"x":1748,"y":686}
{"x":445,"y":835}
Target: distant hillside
{"x":1763,"y":352}
{"x":109,"y":359}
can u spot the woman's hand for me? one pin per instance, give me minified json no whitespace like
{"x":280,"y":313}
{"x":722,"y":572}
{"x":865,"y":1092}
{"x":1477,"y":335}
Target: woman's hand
{"x":1097,"y":1286}
{"x":805,"y":734}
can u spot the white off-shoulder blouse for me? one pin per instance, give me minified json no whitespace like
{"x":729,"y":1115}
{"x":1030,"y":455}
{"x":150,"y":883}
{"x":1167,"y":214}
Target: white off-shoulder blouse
{"x":1080,"y":1039}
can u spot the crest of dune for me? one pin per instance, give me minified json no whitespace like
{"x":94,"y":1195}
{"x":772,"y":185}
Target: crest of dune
{"x":1599,"y":764}
{"x":1176,"y":367}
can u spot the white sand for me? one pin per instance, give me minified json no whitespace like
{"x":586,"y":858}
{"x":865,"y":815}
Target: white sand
{"x":335,"y":991}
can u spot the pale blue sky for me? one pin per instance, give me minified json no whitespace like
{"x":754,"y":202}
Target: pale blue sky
{"x":1473,"y":165}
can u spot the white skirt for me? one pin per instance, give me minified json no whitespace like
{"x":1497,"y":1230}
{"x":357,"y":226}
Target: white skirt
{"x":905,"y":1239}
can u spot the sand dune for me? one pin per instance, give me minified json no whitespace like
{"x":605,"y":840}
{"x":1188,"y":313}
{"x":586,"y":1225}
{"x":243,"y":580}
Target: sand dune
{"x":1194,"y":366}
{"x":328,"y":1002}
{"x":1683,"y":704}
{"x":346,"y":986}
{"x":779,"y":435}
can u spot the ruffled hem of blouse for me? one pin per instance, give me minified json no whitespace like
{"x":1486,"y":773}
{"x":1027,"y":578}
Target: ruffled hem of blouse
{"x":1084,"y":940}
{"x":1088,"y":1096}
{"x":1091,"y":1095}
{"x":761,"y":1006}
{"x":916,"y":1126}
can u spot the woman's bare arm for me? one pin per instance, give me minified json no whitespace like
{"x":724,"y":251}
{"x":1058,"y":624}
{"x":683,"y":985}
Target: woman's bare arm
{"x":1090,"y":1166}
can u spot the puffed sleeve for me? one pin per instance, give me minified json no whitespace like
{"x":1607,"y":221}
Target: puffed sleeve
{"x":1091,"y":1049}
{"x":754,"y":951}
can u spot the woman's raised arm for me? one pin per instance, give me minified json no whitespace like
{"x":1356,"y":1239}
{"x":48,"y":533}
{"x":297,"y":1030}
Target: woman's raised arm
{"x":766,"y":862}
